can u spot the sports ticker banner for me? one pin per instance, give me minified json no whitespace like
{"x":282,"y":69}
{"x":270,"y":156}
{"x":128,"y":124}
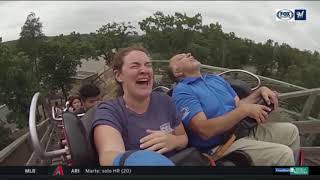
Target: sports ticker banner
{"x":129,"y":170}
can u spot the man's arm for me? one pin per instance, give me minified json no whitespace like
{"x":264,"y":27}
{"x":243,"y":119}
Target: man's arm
{"x":253,"y":98}
{"x":207,"y":128}
{"x":262,"y":93}
{"x":109,"y":144}
{"x":194,"y":117}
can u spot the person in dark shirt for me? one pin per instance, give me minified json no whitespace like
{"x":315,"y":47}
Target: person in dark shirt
{"x":138,"y":119}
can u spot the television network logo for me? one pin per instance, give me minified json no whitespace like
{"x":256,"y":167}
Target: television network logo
{"x":291,"y":14}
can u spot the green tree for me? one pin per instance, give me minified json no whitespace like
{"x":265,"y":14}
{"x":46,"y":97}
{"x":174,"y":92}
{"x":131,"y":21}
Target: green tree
{"x":16,"y":83}
{"x":169,"y":34}
{"x":58,"y":63}
{"x":263,"y":58}
{"x":284,"y":59}
{"x":5,"y":138}
{"x":310,"y":74}
{"x":31,"y":39}
{"x":110,"y":37}
{"x":210,"y":40}
{"x":82,"y":44}
{"x":235,"y":52}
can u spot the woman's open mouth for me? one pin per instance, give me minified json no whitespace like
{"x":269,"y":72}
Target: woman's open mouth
{"x":143,"y":82}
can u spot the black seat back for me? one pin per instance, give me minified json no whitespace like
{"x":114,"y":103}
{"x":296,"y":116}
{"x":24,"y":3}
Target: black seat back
{"x":87,"y":121}
{"x":169,"y":93}
{"x":240,"y":87}
{"x":236,"y":158}
{"x":76,"y":135}
{"x":190,"y":156}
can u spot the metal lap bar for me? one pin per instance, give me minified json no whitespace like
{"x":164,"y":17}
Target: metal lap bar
{"x":34,"y":135}
{"x":60,"y":118}
{"x":80,"y":115}
{"x":161,"y":88}
{"x":54,"y":115}
{"x":244,"y":71}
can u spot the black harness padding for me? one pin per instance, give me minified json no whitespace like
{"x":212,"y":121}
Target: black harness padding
{"x":247,"y":125}
{"x":80,"y":150}
{"x":190,"y":157}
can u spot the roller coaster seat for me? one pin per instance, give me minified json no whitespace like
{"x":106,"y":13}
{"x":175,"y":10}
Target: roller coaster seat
{"x":241,"y":88}
{"x":82,"y":151}
{"x":77,"y":135}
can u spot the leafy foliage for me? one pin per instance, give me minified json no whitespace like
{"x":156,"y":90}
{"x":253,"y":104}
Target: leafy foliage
{"x":31,"y":39}
{"x":16,"y":85}
{"x":111,"y":37}
{"x":36,"y":62}
{"x":170,"y":34}
{"x":4,"y":136}
{"x":59,"y":59}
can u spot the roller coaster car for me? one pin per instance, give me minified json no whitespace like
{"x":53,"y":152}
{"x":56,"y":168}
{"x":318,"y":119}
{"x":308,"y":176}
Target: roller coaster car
{"x":82,"y":151}
{"x":80,"y":148}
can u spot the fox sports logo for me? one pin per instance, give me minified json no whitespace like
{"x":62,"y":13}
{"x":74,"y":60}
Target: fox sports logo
{"x":285,"y":14}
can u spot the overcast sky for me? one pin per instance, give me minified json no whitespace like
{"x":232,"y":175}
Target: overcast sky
{"x":253,"y":20}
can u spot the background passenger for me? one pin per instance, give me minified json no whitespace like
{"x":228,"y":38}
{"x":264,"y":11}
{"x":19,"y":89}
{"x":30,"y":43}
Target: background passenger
{"x":90,"y":95}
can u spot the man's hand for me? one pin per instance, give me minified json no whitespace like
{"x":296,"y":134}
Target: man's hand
{"x":269,"y":96}
{"x":256,"y":111}
{"x":159,"y":141}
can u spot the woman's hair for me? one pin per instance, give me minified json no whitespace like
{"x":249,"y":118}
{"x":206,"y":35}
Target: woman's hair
{"x":72,"y":98}
{"x":118,"y":62}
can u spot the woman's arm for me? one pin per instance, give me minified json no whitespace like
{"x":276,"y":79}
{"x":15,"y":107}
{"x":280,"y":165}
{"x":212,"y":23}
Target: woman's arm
{"x":182,"y":138}
{"x":109,"y":144}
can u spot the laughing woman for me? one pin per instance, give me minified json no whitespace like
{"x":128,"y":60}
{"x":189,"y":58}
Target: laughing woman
{"x":138,"y":119}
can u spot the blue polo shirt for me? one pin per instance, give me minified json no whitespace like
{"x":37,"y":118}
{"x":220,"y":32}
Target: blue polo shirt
{"x":210,"y":94}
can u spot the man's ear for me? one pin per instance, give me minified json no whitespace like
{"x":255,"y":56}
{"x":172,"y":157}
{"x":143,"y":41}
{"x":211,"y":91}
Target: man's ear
{"x":177,"y":73}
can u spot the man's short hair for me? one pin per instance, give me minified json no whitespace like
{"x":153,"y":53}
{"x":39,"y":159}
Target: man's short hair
{"x":88,"y":90}
{"x":170,"y":71}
